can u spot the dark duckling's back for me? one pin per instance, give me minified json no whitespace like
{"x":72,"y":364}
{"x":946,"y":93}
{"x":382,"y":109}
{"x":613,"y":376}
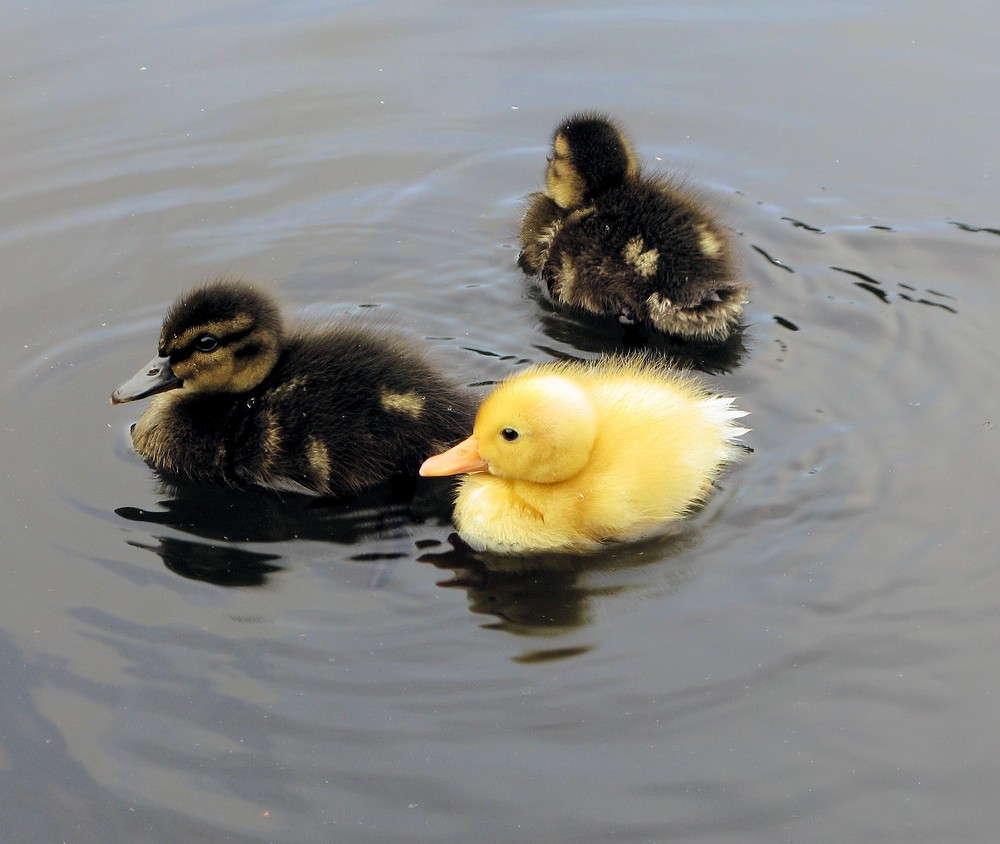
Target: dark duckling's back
{"x":605,"y":239}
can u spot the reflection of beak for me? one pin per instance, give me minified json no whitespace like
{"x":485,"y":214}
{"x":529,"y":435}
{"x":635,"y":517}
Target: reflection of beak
{"x":155,"y":377}
{"x":457,"y":460}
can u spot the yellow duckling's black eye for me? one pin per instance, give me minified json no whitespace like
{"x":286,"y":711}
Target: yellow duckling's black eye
{"x":509,"y":434}
{"x":206,"y":343}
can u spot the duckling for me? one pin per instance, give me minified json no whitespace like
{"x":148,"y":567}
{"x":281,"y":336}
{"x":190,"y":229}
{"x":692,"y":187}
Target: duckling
{"x":241,"y":401}
{"x":606,"y":239}
{"x":566,"y":456}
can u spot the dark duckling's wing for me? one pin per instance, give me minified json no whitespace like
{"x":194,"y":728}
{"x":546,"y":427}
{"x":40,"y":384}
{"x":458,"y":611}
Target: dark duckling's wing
{"x":347,"y":409}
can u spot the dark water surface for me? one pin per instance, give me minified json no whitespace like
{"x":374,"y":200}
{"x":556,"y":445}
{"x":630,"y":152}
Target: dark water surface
{"x":814,"y":660}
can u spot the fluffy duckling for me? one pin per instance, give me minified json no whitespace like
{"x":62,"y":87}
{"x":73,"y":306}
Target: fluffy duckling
{"x":243,"y":402}
{"x":606,"y":239}
{"x":566,"y":456}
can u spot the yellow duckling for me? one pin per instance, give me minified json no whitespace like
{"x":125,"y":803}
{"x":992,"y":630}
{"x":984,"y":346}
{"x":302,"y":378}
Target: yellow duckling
{"x":566,"y":456}
{"x":605,"y":239}
{"x":241,"y":401}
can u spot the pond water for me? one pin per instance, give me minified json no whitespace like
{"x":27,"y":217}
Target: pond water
{"x":814,"y":659}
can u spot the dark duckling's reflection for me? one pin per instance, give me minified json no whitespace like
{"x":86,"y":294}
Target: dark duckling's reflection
{"x":254,"y":515}
{"x":222,"y":565}
{"x":548,"y":593}
{"x":606,"y":335}
{"x":539,"y":595}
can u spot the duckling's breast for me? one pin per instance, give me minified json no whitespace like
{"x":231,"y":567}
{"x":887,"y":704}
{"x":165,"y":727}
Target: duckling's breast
{"x":188,"y":436}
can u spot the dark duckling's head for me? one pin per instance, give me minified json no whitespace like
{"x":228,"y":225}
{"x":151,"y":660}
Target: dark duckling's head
{"x":590,"y":155}
{"x":224,"y":337}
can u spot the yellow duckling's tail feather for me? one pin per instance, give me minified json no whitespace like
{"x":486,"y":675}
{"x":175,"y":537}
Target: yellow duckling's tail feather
{"x":720,"y":407}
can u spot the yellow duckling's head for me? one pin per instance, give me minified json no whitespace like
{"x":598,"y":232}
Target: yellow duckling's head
{"x":224,"y":337}
{"x":540,"y":429}
{"x":590,"y":155}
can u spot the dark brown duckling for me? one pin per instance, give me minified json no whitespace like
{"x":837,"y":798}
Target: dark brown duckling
{"x":240,"y":401}
{"x":606,"y":239}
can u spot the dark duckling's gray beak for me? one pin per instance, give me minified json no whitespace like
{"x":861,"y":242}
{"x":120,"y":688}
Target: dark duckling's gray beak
{"x":155,"y":377}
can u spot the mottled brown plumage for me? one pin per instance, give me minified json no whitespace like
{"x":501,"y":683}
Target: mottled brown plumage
{"x":238,"y":401}
{"x":606,"y":239}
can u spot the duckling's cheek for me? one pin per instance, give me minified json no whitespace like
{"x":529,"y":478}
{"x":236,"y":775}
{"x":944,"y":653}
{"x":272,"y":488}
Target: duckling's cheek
{"x":190,"y":374}
{"x":551,"y":175}
{"x":561,"y":148}
{"x":211,"y":373}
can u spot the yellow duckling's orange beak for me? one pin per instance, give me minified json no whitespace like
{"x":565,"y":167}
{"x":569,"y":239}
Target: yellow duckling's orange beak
{"x":460,"y":459}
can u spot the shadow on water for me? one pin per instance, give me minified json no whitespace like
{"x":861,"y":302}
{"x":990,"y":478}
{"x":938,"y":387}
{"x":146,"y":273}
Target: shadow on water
{"x":909,"y":293}
{"x":550,"y":594}
{"x":537,"y":595}
{"x":222,"y":565}
{"x":227,"y":517}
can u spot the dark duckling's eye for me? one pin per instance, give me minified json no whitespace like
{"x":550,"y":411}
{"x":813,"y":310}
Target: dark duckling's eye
{"x":206,"y":343}
{"x":509,"y":434}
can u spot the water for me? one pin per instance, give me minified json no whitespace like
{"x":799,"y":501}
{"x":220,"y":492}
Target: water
{"x":813,"y":660}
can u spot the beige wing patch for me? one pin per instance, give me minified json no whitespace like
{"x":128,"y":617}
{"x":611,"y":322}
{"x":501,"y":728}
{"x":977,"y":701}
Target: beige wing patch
{"x":711,"y":244}
{"x":319,"y":461}
{"x":640,"y":259}
{"x":410,"y":403}
{"x":271,"y":442}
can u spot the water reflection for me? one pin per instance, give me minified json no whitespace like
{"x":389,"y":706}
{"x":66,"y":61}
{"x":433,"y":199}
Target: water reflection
{"x":550,"y":594}
{"x":229,"y":516}
{"x":801,"y":224}
{"x":258,"y":515}
{"x":878,"y":290}
{"x":223,"y":565}
{"x":530,"y":596}
{"x":966,"y":227}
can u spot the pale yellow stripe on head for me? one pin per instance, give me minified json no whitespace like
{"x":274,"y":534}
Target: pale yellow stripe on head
{"x":240,"y":322}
